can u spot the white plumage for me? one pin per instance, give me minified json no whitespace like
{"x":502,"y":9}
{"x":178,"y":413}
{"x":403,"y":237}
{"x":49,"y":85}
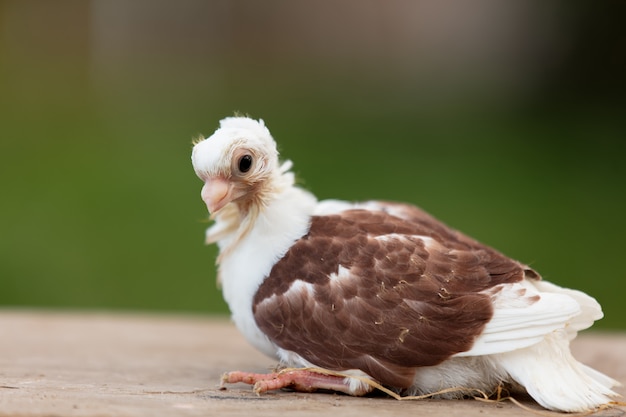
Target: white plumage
{"x":381,"y":289}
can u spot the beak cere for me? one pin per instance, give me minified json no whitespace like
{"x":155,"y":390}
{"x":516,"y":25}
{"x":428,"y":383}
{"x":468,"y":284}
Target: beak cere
{"x":216,"y":193}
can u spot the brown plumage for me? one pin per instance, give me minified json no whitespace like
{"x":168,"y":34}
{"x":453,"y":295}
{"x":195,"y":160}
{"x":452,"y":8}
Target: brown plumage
{"x":418,"y":304}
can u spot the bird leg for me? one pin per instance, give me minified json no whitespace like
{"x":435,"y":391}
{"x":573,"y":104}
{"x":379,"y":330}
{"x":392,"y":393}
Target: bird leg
{"x":302,"y":380}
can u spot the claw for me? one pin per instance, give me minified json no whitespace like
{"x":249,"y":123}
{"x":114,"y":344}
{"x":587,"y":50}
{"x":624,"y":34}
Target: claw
{"x":302,"y":380}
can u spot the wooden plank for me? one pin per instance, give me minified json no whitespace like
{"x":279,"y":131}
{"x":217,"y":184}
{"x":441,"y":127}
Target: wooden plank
{"x":111,"y":364}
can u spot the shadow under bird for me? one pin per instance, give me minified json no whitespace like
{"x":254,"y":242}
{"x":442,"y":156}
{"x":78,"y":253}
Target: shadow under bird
{"x":380,"y":290}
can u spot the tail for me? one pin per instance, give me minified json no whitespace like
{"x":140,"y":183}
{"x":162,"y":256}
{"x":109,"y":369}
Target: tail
{"x":555,"y":379}
{"x":549,"y":372}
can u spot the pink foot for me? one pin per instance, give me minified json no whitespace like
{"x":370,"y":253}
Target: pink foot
{"x":298,"y":379}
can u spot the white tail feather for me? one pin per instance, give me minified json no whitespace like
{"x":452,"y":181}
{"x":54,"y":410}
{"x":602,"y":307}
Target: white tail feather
{"x":554,"y":378}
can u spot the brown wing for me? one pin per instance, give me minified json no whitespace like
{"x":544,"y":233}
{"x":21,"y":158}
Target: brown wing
{"x":373,"y":291}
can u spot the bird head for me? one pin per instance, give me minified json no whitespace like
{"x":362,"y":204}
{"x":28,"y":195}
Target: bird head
{"x":238,"y":164}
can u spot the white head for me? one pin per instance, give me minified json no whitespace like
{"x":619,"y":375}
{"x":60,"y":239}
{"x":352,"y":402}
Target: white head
{"x":238,"y":163}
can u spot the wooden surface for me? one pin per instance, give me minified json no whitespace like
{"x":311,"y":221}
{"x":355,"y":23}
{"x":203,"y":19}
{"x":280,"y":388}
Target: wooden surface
{"x":98,"y":364}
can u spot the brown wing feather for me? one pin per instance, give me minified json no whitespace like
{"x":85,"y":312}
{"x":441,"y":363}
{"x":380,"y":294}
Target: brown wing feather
{"x":404,"y":304}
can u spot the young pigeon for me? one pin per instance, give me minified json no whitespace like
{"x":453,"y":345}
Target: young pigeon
{"x":380,"y":290}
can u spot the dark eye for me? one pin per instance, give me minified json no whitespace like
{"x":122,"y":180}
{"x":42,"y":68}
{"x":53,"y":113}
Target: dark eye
{"x":245,"y":163}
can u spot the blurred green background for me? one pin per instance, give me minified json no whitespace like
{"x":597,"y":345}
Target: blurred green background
{"x":504,"y":119}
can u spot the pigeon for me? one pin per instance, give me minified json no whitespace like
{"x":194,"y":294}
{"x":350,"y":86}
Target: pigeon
{"x":347,"y":296}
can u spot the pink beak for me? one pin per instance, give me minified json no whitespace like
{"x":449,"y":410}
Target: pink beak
{"x":216,"y":193}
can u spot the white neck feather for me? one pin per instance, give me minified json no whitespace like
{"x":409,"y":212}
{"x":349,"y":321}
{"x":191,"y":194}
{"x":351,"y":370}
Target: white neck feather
{"x":247,"y":258}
